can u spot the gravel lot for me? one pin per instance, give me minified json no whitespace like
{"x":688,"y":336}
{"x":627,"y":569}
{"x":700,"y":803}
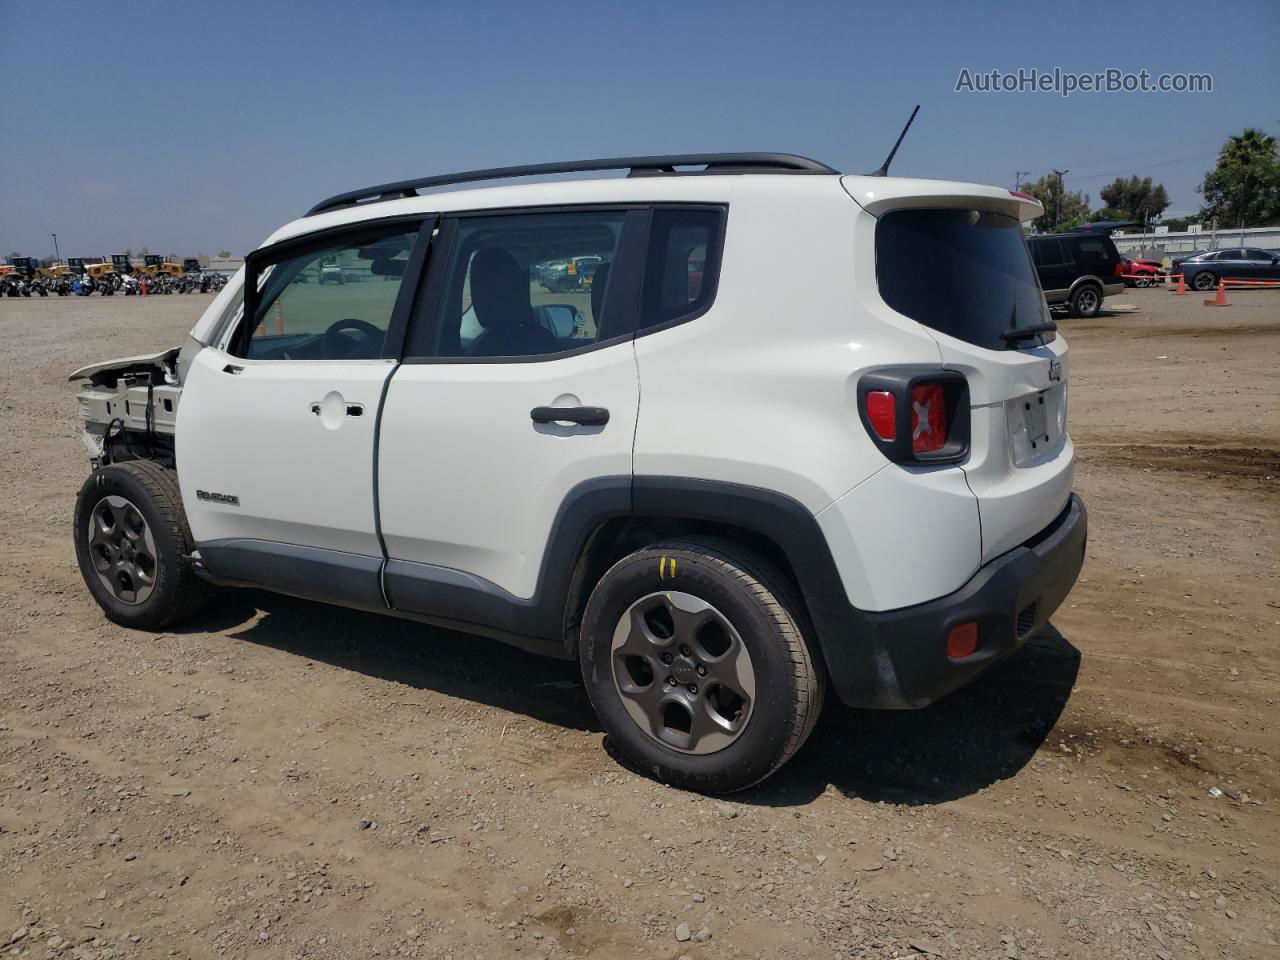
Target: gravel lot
{"x":278,"y":779}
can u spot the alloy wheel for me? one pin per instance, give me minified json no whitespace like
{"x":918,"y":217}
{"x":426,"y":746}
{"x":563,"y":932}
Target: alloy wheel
{"x":122,"y":549}
{"x":683,"y":673}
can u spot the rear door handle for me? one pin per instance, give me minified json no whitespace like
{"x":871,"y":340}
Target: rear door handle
{"x":583,"y":416}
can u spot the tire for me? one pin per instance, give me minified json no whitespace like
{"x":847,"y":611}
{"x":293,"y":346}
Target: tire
{"x":1204,"y":281}
{"x":1086,"y":301}
{"x":1142,"y":282}
{"x":741,"y":605}
{"x":126,"y":493}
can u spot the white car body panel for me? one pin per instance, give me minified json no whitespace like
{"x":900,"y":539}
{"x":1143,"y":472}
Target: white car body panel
{"x":887,"y":536}
{"x":300,"y":478}
{"x":468,"y":481}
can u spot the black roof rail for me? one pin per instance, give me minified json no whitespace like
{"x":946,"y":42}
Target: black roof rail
{"x":713,"y":163}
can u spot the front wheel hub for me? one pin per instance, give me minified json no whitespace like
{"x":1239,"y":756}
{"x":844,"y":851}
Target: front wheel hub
{"x":122,"y":549}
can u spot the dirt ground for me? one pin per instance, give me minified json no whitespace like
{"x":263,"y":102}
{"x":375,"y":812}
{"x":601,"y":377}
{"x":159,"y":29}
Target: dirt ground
{"x":279,"y":779}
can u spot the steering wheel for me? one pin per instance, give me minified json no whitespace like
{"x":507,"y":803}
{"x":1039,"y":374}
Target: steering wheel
{"x":335,"y":345}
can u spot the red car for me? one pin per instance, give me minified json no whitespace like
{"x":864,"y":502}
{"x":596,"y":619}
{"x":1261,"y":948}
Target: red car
{"x":1140,"y":273}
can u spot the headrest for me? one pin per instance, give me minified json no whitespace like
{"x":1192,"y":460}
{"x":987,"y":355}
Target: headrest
{"x":499,"y":289}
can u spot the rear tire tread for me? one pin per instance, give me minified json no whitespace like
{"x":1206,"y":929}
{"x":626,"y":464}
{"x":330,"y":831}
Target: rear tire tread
{"x":781,"y":603}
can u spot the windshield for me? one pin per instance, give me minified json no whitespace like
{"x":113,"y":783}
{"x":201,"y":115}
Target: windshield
{"x":965,"y":273}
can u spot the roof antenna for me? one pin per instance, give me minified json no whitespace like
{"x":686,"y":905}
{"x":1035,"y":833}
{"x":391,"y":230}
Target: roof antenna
{"x":884,"y":168}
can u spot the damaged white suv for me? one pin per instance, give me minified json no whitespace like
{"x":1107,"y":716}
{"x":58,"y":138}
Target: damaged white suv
{"x":792,"y":429}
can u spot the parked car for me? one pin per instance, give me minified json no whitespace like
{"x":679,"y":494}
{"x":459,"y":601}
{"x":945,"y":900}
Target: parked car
{"x":781,"y":515}
{"x":1077,"y":270}
{"x":1140,"y":273}
{"x":566,"y":276}
{"x":1202,"y":270}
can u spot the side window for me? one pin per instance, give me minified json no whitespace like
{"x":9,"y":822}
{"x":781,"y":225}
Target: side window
{"x":1093,"y":250}
{"x":329,"y":303}
{"x":681,"y":265}
{"x":1255,"y":254}
{"x":1049,"y":253}
{"x":524,"y":285}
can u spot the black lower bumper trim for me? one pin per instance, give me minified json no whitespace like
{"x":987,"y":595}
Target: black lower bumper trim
{"x":898,"y":659}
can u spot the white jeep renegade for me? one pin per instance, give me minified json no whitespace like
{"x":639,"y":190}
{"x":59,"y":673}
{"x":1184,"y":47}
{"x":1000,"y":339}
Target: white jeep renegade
{"x":785,"y":428}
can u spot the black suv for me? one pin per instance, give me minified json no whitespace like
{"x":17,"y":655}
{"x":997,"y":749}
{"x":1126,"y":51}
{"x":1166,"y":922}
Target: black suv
{"x":1077,"y":269}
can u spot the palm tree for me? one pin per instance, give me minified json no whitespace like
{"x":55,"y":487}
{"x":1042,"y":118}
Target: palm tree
{"x":1246,"y":147}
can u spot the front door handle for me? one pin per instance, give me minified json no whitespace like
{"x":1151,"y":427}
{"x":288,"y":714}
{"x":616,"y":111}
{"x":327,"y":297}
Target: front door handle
{"x":353,"y":409}
{"x":583,"y":416}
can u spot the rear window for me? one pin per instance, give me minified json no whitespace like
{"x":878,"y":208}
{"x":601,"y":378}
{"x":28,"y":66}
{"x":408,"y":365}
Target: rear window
{"x":965,"y":273}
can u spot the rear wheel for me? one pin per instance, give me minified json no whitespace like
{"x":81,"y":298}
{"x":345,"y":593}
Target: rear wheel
{"x":133,"y":544}
{"x":1204,"y":280}
{"x":694,"y":657}
{"x":1086,"y":301}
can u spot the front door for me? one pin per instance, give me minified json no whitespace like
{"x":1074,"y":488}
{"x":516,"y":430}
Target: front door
{"x":516,"y":391}
{"x":276,"y":428}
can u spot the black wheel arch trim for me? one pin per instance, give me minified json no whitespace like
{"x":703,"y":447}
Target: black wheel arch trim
{"x":463,"y":600}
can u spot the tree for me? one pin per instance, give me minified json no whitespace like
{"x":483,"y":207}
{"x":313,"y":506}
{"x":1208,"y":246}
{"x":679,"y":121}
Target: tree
{"x":224,"y":254}
{"x":1243,"y":190}
{"x":1135,"y":199}
{"x":1062,"y":209}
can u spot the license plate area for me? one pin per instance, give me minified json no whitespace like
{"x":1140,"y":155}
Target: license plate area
{"x":1035,"y":424}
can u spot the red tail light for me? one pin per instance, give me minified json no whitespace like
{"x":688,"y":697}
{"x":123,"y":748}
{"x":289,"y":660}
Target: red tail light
{"x":928,"y":418}
{"x":882,"y":414}
{"x":916,"y":415}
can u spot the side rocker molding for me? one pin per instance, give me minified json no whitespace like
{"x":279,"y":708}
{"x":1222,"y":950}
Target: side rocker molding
{"x":312,"y":573}
{"x":441,"y":593}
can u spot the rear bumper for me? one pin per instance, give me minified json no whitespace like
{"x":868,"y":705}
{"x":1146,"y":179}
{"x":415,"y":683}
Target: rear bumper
{"x":897,"y":659}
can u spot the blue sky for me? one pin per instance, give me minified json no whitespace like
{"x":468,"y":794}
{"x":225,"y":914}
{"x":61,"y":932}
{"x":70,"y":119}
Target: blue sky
{"x":190,"y":128}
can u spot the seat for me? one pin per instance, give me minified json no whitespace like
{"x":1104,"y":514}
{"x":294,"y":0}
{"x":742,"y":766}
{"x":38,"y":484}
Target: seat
{"x":599,"y":284}
{"x":500,"y":298}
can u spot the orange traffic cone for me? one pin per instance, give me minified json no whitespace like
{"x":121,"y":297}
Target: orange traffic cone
{"x":1221,"y":299}
{"x":1182,"y":286}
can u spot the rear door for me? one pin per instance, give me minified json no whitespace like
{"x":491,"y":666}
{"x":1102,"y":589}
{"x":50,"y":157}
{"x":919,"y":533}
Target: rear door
{"x":1053,"y":266}
{"x":275,"y":432}
{"x":500,"y":416}
{"x":981,"y":288}
{"x":1262,"y":265}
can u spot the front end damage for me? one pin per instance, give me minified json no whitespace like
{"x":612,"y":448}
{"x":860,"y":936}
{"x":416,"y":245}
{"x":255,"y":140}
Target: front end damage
{"x":129,"y":407}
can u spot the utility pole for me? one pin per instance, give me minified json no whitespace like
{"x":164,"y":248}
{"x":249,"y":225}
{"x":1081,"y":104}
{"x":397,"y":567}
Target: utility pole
{"x":1057,"y":217}
{"x":1017,"y":178}
{"x":57,"y":257}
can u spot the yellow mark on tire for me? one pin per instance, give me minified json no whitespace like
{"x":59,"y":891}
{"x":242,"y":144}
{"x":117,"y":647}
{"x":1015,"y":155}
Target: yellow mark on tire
{"x":662,"y":568}
{"x":673,"y":566}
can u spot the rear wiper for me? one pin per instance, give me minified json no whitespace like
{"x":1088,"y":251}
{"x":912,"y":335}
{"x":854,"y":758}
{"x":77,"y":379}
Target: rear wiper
{"x":1026,"y":333}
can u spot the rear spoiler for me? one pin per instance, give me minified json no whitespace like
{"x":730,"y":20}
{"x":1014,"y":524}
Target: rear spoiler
{"x":879,"y":195}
